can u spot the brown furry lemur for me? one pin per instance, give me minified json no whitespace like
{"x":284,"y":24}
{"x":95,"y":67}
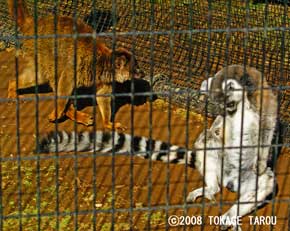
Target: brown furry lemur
{"x":64,"y":84}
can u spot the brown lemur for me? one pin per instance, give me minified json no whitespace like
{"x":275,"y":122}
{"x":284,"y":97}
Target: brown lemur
{"x":124,"y":67}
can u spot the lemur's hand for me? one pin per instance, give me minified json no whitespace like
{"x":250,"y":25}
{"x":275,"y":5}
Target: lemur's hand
{"x":261,"y":167}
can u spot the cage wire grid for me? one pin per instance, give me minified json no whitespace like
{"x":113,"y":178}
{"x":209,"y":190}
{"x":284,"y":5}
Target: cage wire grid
{"x":178,"y":44}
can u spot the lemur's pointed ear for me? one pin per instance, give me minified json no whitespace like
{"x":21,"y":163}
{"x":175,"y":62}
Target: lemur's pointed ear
{"x":205,"y":86}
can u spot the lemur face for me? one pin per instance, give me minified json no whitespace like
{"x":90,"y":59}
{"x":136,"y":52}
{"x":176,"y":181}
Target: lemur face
{"x":233,"y":93}
{"x":227,"y":86}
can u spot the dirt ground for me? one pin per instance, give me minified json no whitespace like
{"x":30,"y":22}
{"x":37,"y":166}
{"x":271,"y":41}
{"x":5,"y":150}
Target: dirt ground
{"x":46,"y":192}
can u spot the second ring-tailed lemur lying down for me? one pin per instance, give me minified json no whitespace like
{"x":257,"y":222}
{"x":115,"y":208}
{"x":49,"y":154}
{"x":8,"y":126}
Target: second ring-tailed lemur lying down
{"x":233,"y":137}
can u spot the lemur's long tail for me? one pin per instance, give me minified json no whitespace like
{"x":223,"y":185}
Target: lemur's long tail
{"x":141,"y":146}
{"x":22,"y":12}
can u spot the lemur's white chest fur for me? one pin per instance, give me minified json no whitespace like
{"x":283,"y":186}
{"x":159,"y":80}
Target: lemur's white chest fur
{"x":237,"y":144}
{"x":240,"y":136}
{"x":241,"y":131}
{"x":240,"y":143}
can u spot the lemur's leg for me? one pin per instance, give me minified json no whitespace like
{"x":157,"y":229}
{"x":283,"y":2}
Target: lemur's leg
{"x":266,"y":139}
{"x":210,"y":160}
{"x":212,"y":179}
{"x":104,"y":103}
{"x":247,"y":198}
{"x":65,"y":89}
{"x":268,"y":119}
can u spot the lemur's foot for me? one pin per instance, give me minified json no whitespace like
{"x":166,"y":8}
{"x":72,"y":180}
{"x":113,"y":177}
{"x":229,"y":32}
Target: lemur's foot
{"x":80,"y":117}
{"x":233,"y":228}
{"x":118,"y":126}
{"x":260,"y":168}
{"x":88,"y":121}
{"x":52,"y":117}
{"x":192,"y":196}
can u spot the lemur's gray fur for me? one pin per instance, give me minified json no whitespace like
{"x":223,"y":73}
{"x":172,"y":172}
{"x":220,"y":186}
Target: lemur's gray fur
{"x":261,"y":98}
{"x":233,"y":137}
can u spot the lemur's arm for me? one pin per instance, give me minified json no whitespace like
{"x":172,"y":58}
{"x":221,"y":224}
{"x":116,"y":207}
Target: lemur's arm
{"x":217,"y":126}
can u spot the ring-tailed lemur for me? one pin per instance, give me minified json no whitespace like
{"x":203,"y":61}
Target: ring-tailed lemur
{"x":235,"y":139}
{"x":236,"y":142}
{"x":261,"y":98}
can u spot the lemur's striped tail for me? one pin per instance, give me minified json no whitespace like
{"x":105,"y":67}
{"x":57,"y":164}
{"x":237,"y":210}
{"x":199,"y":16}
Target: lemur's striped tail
{"x":84,"y":141}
